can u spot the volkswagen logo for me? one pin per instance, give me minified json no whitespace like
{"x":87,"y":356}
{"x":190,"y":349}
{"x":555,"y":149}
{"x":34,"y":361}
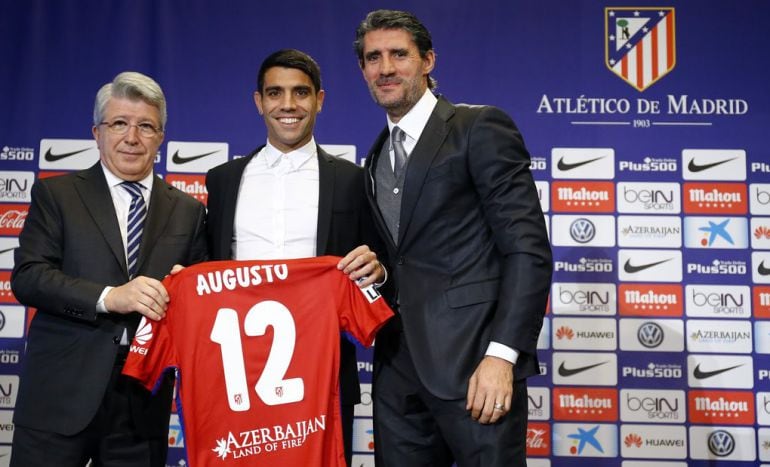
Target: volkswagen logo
{"x":650,"y":335}
{"x":721,"y":443}
{"x":582,"y":230}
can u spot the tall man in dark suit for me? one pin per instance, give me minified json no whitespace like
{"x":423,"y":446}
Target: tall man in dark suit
{"x":290,"y":199}
{"x":93,"y":249}
{"x":468,"y":253}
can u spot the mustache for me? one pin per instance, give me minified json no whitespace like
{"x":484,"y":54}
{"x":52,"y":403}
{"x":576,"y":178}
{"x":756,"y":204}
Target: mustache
{"x":388,"y":80}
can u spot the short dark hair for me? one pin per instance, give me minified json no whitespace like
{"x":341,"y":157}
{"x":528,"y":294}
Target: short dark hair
{"x":291,"y":58}
{"x":395,"y":19}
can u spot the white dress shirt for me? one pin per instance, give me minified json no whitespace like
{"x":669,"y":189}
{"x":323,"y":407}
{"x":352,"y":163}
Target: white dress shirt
{"x":276,"y":215}
{"x":121,"y":199}
{"x":413,"y":123}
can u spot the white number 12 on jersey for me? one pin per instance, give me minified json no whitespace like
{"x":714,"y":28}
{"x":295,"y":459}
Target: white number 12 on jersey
{"x":271,"y":386}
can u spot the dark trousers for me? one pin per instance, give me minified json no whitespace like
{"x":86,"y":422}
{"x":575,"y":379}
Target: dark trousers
{"x":110,"y":440}
{"x":414,"y":428}
{"x":347,"y":431}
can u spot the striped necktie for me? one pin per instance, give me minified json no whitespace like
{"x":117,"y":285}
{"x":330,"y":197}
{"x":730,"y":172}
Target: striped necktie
{"x":137,"y":212}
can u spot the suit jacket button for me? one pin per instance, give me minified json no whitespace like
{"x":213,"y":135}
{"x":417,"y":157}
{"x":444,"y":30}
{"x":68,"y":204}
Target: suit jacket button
{"x":401,"y":260}
{"x":116,"y":340}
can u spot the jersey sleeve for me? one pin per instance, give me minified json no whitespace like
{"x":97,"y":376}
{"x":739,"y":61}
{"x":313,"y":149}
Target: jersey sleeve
{"x":362,"y":311}
{"x":151,"y":351}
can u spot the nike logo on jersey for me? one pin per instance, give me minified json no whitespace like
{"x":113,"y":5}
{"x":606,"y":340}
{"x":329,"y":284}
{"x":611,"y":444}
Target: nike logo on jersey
{"x":51,"y":157}
{"x":629,"y":268}
{"x":564,"y":371}
{"x":693,"y":167}
{"x":698,"y":374}
{"x":177,"y":159}
{"x":564,"y":166}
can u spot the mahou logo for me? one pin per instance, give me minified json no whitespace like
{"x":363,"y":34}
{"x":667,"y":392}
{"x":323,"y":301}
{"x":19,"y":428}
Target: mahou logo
{"x":6,"y":296}
{"x":583,"y":196}
{"x":193,"y":185}
{"x":538,"y":439}
{"x":650,"y":300}
{"x":715,"y":198}
{"x":721,"y":407}
{"x":761,"y":295}
{"x":12,"y":217}
{"x":585,"y":404}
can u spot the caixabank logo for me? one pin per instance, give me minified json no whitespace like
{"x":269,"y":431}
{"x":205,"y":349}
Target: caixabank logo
{"x":640,"y":44}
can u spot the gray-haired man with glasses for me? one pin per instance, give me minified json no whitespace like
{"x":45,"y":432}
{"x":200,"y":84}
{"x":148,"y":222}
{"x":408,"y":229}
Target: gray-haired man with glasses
{"x":91,"y":255}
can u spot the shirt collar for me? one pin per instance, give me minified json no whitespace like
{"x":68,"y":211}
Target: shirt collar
{"x":113,"y":180}
{"x":415,"y":120}
{"x":297,"y":158}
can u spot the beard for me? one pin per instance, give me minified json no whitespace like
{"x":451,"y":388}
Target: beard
{"x":397,"y":104}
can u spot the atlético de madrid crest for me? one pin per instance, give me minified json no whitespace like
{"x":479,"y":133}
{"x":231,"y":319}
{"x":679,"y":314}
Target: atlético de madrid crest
{"x":640,"y":44}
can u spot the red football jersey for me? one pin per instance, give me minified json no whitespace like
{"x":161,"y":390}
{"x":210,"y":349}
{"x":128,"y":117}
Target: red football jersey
{"x":256,"y":345}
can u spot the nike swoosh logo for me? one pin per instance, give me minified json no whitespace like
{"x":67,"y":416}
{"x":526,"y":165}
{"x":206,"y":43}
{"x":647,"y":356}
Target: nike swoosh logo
{"x":566,"y":166}
{"x":177,"y":159}
{"x":573,"y":371}
{"x":629,"y":268}
{"x":762,"y":270}
{"x":7,"y":250}
{"x":693,"y":167}
{"x":698,"y":374}
{"x":51,"y":157}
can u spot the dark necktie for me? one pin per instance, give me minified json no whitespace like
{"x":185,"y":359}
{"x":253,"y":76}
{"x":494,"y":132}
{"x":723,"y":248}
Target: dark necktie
{"x":137,"y":212}
{"x":397,"y":139}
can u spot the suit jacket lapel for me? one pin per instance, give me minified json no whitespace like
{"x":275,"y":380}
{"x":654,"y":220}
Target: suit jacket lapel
{"x":229,"y":199}
{"x":326,"y":175}
{"x":421,"y":159}
{"x":95,"y":195}
{"x":158,"y":214}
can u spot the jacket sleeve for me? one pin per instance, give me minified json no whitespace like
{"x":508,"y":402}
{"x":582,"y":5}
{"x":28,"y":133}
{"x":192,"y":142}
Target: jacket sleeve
{"x":499,"y":164}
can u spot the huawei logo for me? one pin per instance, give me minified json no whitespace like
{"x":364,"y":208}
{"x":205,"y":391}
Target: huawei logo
{"x":762,"y":232}
{"x":144,"y":332}
{"x":633,"y":440}
{"x":565,"y":333}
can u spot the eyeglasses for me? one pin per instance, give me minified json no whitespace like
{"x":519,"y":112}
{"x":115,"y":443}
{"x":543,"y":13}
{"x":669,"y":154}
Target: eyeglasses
{"x":120,"y":127}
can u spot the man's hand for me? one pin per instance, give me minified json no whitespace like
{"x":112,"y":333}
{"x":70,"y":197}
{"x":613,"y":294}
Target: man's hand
{"x":142,"y":294}
{"x":176,"y":269}
{"x":490,"y":390}
{"x":362,"y":262}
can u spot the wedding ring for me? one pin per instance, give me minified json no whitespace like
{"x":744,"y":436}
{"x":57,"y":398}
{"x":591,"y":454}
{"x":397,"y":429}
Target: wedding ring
{"x":499,"y":406}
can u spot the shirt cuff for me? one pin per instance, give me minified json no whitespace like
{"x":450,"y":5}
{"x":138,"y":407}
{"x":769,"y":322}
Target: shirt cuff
{"x":499,"y":350}
{"x":384,"y":280}
{"x":100,"y":306}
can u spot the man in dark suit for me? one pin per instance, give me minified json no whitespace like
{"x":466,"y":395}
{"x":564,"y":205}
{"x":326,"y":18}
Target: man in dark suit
{"x":468,"y":255}
{"x":290,"y":199}
{"x":90,"y":257}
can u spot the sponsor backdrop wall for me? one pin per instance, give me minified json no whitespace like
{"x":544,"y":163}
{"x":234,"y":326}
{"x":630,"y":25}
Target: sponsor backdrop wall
{"x":647,"y":124}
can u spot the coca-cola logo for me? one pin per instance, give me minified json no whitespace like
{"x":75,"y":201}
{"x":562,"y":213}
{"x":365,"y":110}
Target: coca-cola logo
{"x":538,"y":439}
{"x":12,"y":217}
